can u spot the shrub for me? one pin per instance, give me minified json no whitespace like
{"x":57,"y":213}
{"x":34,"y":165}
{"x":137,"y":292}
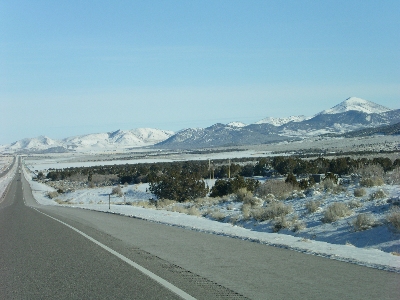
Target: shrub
{"x":312,"y":206}
{"x":272,"y":211}
{"x":117,"y":191}
{"x":335,"y":211}
{"x":394,"y":176}
{"x":193,"y":211}
{"x":280,"y":223}
{"x":280,"y":189}
{"x":179,"y":209}
{"x":363,"y":222}
{"x":298,"y":226}
{"x":52,"y":195}
{"x":243,"y":195}
{"x":246,"y":197}
{"x":162,"y":203}
{"x":371,"y":181}
{"x":369,"y":171}
{"x":379,"y":194}
{"x":354,"y":203}
{"x":393,"y":219}
{"x":328,"y":184}
{"x":246,"y":211}
{"x":360,"y":192}
{"x":218,"y":215}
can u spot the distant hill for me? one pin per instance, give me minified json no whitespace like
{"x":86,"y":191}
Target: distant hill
{"x":382,"y":130}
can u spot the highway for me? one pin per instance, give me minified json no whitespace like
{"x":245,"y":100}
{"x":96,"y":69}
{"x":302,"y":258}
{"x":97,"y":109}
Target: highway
{"x":65,"y":253}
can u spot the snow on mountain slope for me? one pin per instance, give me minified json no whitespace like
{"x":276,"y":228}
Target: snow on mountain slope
{"x":282,"y":121}
{"x":357,"y":104}
{"x":118,"y":139}
{"x":236,"y":124}
{"x":38,"y":143}
{"x":127,"y":138}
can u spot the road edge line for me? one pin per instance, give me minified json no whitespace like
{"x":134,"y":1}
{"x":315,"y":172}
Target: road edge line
{"x":150,"y":274}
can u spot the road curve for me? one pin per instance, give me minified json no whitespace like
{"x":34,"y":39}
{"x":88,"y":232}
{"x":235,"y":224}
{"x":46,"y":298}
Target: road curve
{"x":42,"y":258}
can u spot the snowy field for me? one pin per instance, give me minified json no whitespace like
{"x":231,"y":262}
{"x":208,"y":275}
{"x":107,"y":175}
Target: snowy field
{"x":147,"y":155}
{"x":377,"y":247}
{"x":6,"y":179}
{"x":61,"y":161}
{"x":5,"y":161}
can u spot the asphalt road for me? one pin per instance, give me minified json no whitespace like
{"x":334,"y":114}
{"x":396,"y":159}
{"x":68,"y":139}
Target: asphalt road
{"x":40,"y":258}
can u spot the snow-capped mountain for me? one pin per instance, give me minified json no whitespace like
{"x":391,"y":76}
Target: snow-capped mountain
{"x":129,"y":138}
{"x":351,"y":114}
{"x":139,"y":137}
{"x":38,"y":143}
{"x":236,"y":124}
{"x":356,"y":104}
{"x":282,"y":121}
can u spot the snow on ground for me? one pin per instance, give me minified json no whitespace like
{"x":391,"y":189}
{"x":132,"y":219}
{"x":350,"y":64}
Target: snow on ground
{"x":6,"y":179}
{"x":60,"y":162}
{"x":335,"y":240}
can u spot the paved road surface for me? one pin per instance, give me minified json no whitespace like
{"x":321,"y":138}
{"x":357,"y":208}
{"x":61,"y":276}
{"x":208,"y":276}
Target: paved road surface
{"x":42,"y":258}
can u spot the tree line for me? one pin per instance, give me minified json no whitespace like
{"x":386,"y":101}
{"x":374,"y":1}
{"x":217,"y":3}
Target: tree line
{"x":185,"y":180}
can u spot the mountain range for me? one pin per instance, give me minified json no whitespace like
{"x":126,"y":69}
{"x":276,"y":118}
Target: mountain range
{"x":352,"y":114}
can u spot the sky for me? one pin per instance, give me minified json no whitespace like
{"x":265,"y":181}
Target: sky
{"x":77,"y":67}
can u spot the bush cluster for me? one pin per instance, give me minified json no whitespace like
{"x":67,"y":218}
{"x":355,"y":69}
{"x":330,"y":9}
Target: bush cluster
{"x":279,"y":189}
{"x":272,"y":211}
{"x":52,"y":195}
{"x":312,"y":206}
{"x":335,"y":211}
{"x":360,"y":192}
{"x":394,"y":219}
{"x":363,"y":222}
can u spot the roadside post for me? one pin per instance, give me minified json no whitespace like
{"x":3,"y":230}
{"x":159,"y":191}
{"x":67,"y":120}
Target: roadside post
{"x":109,"y":201}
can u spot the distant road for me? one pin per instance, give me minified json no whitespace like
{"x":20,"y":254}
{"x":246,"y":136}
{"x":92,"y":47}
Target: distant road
{"x":41,"y":258}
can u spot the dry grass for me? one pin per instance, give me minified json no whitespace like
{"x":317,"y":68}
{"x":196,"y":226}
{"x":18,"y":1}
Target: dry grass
{"x":143,"y":203}
{"x":163,"y":203}
{"x":59,"y":201}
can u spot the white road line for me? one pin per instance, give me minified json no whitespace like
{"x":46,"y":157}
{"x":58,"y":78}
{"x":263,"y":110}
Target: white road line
{"x":153,"y":276}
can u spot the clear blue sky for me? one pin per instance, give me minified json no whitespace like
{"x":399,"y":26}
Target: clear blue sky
{"x":75,"y":67}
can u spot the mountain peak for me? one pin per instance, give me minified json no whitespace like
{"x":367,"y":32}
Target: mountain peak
{"x":357,"y":104}
{"x":236,"y":124}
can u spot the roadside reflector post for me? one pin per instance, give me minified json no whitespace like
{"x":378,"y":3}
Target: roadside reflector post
{"x":109,"y":201}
